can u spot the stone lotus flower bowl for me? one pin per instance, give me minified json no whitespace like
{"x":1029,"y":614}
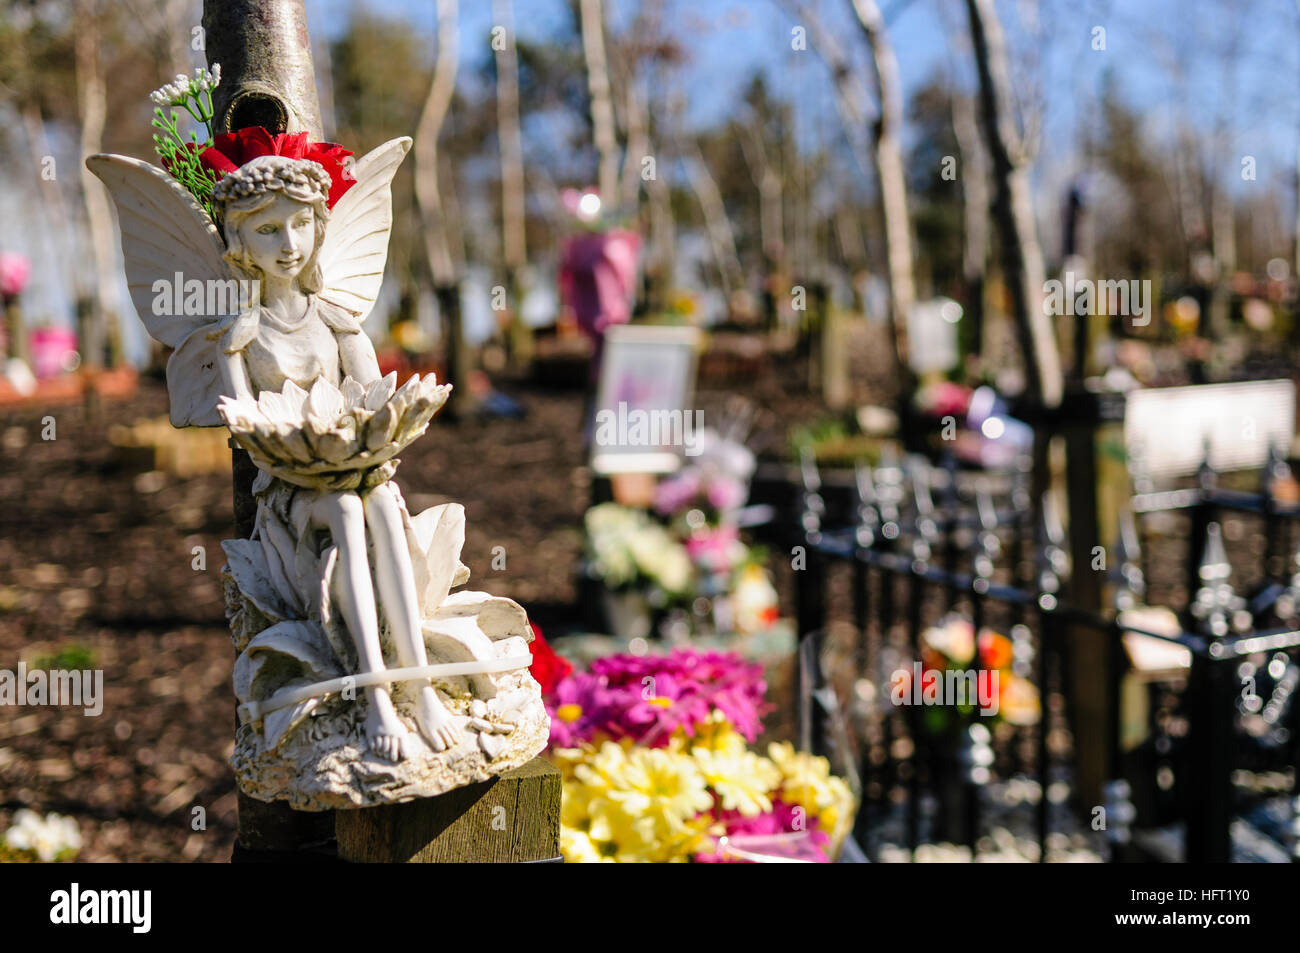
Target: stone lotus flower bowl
{"x":334,"y":437}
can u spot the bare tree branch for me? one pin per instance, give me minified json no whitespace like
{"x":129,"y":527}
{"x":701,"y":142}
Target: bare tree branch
{"x":428,"y":195}
{"x":513,"y":234}
{"x":888,"y":154}
{"x":1013,"y":211}
{"x":602,"y":106}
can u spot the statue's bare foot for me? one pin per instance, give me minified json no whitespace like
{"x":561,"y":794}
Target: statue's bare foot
{"x":384,"y":730}
{"x":436,"y":723}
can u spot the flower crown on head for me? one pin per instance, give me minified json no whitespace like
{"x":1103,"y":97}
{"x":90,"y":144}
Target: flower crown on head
{"x":300,"y":179}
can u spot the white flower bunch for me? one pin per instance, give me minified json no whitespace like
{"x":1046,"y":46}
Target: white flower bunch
{"x":725,"y":455}
{"x":625,"y":543}
{"x":47,"y":837}
{"x":307,"y":438}
{"x":661,"y":558}
{"x":609,"y":527}
{"x":180,"y":90}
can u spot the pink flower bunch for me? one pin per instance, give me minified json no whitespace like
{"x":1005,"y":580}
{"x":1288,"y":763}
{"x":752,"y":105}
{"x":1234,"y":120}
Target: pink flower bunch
{"x":692,"y":487}
{"x":715,"y":548}
{"x":726,"y":493}
{"x":14,"y":271}
{"x":645,"y":699}
{"x":677,"y":493}
{"x":578,"y":708}
{"x":784,"y":818}
{"x":944,"y":399}
{"x":598,"y":278}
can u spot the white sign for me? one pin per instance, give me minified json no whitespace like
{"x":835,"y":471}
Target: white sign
{"x":644,"y":420}
{"x":1166,"y":429}
{"x":932,"y":335}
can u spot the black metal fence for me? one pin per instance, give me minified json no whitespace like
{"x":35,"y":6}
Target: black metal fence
{"x":1207,"y":774}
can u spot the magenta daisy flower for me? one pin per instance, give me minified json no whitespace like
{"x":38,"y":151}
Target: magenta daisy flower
{"x":578,"y":709}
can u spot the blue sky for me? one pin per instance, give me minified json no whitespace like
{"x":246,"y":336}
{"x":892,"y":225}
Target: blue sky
{"x":1148,"y":43}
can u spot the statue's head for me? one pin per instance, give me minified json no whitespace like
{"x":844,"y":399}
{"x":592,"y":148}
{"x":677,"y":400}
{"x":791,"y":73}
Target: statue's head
{"x":274,"y":211}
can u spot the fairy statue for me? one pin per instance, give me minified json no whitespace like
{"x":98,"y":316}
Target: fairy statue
{"x":361,"y":677}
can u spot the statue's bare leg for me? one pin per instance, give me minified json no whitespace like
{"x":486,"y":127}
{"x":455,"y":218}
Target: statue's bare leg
{"x":344,"y":514}
{"x":395,"y":580}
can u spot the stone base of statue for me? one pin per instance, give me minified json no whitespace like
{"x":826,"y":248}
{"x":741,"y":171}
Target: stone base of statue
{"x":328,"y":765}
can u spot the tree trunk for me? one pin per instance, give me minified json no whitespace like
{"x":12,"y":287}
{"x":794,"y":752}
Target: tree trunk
{"x":458,"y":369}
{"x":53,"y":211}
{"x":429,"y":198}
{"x":888,"y":154}
{"x":428,"y":195}
{"x":663,"y":239}
{"x":1013,"y":210}
{"x":885,"y":152}
{"x":638,"y":147}
{"x":602,"y":104}
{"x":100,"y":333}
{"x":767,"y":181}
{"x":267,"y":77}
{"x":975,"y":210}
{"x":721,"y":237}
{"x":513,"y":229}
{"x":1296,"y":272}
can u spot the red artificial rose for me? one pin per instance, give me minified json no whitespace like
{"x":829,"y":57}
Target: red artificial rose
{"x":333,"y":157}
{"x":548,"y":668}
{"x":230,"y":150}
{"x":194,"y":147}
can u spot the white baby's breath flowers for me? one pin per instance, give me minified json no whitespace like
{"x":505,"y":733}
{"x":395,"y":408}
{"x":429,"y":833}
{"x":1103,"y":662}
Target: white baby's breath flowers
{"x":168,"y":95}
{"x":208,"y":80}
{"x":47,"y":837}
{"x":183,"y":87}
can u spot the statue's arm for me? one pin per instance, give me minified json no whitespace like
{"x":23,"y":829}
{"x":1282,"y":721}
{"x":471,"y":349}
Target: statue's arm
{"x":357,"y":356}
{"x":234,"y":374}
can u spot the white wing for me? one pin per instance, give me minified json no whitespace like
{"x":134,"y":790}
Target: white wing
{"x":165,"y":233}
{"x":166,"y":236}
{"x":355,"y":247}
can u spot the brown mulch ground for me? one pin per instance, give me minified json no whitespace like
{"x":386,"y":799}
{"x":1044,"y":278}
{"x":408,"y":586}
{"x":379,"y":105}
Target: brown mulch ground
{"x":95,"y":553}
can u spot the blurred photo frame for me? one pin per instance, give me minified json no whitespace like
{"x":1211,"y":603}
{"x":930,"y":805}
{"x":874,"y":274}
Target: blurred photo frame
{"x":644,"y":414}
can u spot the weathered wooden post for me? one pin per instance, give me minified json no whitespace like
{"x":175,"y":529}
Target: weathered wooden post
{"x":265,"y":56}
{"x":513,"y":818}
{"x":365,"y":685}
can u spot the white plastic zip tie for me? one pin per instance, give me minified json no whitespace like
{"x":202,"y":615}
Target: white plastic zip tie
{"x":255,"y":711}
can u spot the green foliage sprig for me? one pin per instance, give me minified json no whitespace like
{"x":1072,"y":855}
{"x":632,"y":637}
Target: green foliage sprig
{"x":179,"y":156}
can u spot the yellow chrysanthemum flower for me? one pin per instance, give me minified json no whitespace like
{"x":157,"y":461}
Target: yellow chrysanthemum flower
{"x":578,"y":848}
{"x":602,"y":767}
{"x":742,"y":780}
{"x":716,"y":734}
{"x":612,"y":821}
{"x":566,"y":759}
{"x":665,"y":785}
{"x":636,"y":804}
{"x":807,"y":781}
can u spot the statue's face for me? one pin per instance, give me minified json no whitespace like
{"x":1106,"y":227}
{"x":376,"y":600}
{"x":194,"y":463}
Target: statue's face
{"x":281,"y":237}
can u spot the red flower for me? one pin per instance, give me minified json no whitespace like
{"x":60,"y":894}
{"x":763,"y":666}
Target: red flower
{"x":995,"y":650}
{"x":230,"y":150}
{"x":548,"y":668}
